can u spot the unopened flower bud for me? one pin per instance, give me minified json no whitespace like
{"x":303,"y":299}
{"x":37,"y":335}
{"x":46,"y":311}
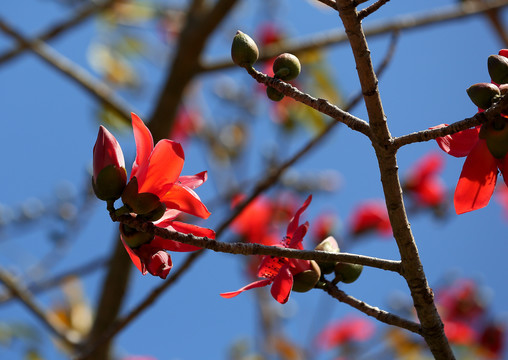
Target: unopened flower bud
{"x":109,"y":174}
{"x":157,"y":261}
{"x":307,"y":280}
{"x":133,"y":237}
{"x":498,"y":68}
{"x":273,"y":94}
{"x":141,"y":204}
{"x":329,"y":245}
{"x":244,"y":50}
{"x":348,"y":273}
{"x":286,"y":67}
{"x":483,"y":94}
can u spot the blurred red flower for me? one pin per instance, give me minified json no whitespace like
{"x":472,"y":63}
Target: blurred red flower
{"x":423,"y":182}
{"x":345,"y":331}
{"x":370,"y":216}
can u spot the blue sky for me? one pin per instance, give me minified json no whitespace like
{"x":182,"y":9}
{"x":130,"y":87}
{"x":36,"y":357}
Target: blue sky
{"x":50,"y":125}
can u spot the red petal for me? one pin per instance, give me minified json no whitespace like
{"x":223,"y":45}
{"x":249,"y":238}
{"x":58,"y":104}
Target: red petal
{"x":173,"y":245}
{"x":293,"y":224}
{"x":165,"y":165}
{"x":459,"y":144}
{"x":255,"y":284}
{"x":193,"y":181}
{"x":282,"y":285}
{"x":106,"y":151}
{"x":431,"y":192}
{"x":296,"y":240}
{"x":144,"y":144}
{"x":135,"y":259}
{"x":186,"y":200}
{"x":503,"y":52}
{"x":477,"y":180}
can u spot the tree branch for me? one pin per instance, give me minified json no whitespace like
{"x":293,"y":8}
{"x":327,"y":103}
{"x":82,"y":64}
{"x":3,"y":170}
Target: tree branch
{"x":97,"y":89}
{"x":27,"y":300}
{"x":57,"y":29}
{"x":403,"y":22}
{"x":362,"y":14}
{"x":378,"y":314}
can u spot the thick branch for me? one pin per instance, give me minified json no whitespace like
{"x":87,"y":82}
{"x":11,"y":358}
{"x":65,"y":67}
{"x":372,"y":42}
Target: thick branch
{"x":257,"y":249}
{"x":381,"y":315}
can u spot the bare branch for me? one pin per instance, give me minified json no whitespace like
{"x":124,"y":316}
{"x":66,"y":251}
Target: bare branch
{"x":58,"y":29}
{"x":378,"y":314}
{"x":370,"y":9}
{"x":330,"y":3}
{"x":404,"y":22}
{"x":28,"y":301}
{"x":79,"y":75}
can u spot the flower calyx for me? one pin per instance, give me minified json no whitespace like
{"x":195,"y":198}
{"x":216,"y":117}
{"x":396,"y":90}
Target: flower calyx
{"x":286,"y":67}
{"x":498,"y":68}
{"x":110,"y":182}
{"x":347,"y":273}
{"x":147,"y":205}
{"x":329,"y":245}
{"x":133,"y":237}
{"x":483,"y":95}
{"x":306,"y":280}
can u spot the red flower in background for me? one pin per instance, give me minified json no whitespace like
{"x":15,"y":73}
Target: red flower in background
{"x":423,"y":182}
{"x":279,"y":272}
{"x":325,"y":225}
{"x":345,"y":331}
{"x":492,"y":341}
{"x":157,"y":192}
{"x":370,"y":216}
{"x":187,"y":123}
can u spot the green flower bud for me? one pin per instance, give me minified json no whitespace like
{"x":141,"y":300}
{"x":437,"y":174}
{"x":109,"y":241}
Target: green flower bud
{"x":307,"y":280}
{"x":498,"y":68}
{"x":141,"y":204}
{"x":110,"y":182}
{"x":244,"y":50}
{"x":134,"y":238}
{"x":483,"y":95}
{"x":348,"y":273}
{"x":286,"y":67}
{"x":273,"y":94}
{"x":329,"y":245}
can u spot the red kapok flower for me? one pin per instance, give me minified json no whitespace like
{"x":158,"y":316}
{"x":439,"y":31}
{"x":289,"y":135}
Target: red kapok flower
{"x":345,"y":331}
{"x":459,"y":332}
{"x":423,"y":182}
{"x":109,"y":175}
{"x":370,"y":216}
{"x":156,"y":177}
{"x":277,"y":271}
{"x":492,"y":341}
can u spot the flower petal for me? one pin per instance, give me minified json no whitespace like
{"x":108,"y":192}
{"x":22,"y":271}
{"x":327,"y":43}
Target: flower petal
{"x":297,"y":238}
{"x":173,"y":245}
{"x":135,"y":258}
{"x":165,"y":165}
{"x":182,"y":198}
{"x":282,"y":285}
{"x":255,"y":284}
{"x":144,"y":144}
{"x":293,"y":224}
{"x":477,"y":180}
{"x":193,"y":181}
{"x":459,"y":144}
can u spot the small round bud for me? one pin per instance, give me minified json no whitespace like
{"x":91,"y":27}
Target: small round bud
{"x":273,"y":94}
{"x":329,"y":245}
{"x":348,"y":273}
{"x":483,"y":95}
{"x":307,"y":280}
{"x":498,"y":68}
{"x":244,"y":50}
{"x":286,"y":67}
{"x":134,"y":238}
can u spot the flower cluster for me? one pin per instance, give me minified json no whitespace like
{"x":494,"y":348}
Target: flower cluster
{"x":485,"y":146}
{"x":155,"y":192}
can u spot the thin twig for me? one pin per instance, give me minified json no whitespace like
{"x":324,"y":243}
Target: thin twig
{"x":330,"y":3}
{"x":321,"y":105}
{"x":381,"y":315}
{"x":403,"y":22}
{"x":28,"y":301}
{"x":362,"y":14}
{"x":501,"y":107}
{"x":256,"y":249}
{"x":59,"y":28}
{"x":96,"y":88}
